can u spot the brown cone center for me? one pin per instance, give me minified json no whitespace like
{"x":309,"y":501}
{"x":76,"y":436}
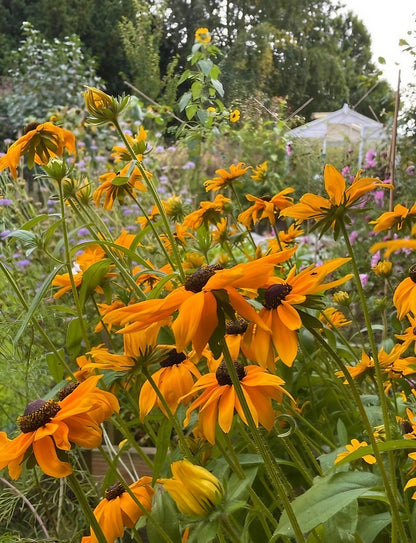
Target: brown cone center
{"x":37,"y":414}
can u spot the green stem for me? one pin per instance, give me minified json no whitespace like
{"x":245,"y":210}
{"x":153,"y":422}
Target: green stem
{"x":390,"y":495}
{"x":240,"y":207}
{"x":69,"y":267}
{"x":82,"y":500}
{"x":271,"y":467}
{"x":157,"y":201}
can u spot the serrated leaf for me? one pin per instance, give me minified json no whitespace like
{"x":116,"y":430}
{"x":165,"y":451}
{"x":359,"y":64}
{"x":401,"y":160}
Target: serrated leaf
{"x":196,"y":89}
{"x":186,"y":75}
{"x":325,"y":498}
{"x":165,"y":514}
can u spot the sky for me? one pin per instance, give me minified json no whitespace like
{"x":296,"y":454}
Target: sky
{"x":387,"y":22}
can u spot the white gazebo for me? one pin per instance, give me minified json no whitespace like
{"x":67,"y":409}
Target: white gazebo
{"x":338,"y":127}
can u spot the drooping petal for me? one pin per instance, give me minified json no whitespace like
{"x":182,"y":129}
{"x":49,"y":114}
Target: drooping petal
{"x":48,"y":461}
{"x":226,"y":408}
{"x":188,"y":321}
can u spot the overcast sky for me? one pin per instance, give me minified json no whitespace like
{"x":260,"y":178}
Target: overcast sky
{"x":388,"y":21}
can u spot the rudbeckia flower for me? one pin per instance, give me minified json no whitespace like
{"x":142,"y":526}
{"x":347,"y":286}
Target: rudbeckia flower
{"x":193,"y":488}
{"x":260,"y":172}
{"x":235,"y":116}
{"x":280,"y":315}
{"x":137,"y":143}
{"x":354,"y":446}
{"x":115,"y":185}
{"x":333,"y":318}
{"x":40,"y":142}
{"x":364,"y":367}
{"x":197,"y":303}
{"x":174,"y":380}
{"x":119,"y":510}
{"x":400,"y":217}
{"x":312,"y":206}
{"x":225,"y":178}
{"x":265,"y":207}
{"x":50,"y":425}
{"x":219,"y":399}
{"x":208,"y":212}
{"x":383,"y":268}
{"x":404,"y":298}
{"x":409,"y":335}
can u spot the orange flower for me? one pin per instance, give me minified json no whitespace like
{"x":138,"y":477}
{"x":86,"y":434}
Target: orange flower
{"x":280,"y":315}
{"x":409,"y":335}
{"x":265,"y":207}
{"x":364,"y":367}
{"x":260,"y":172}
{"x":404,"y":298}
{"x":40,"y":142}
{"x":118,"y":509}
{"x":137,"y":143}
{"x":316,"y":207}
{"x":115,"y":185}
{"x":333,"y":318}
{"x":219,"y":400}
{"x":400,"y":217}
{"x":226,"y":178}
{"x":174,"y":380}
{"x":50,"y":425}
{"x":355,"y":445}
{"x":197,"y":301}
{"x":207,"y":212}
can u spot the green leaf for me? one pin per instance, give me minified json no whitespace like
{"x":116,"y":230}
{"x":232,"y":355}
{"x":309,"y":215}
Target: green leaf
{"x":165,"y":514}
{"x":196,"y":89}
{"x":55,"y":366}
{"x":325,"y":498}
{"x":92,"y":277}
{"x":74,"y":338}
{"x":162,"y":446}
{"x":29,"y":238}
{"x":369,"y":527}
{"x":186,"y":75}
{"x":184,"y":101}
{"x":218,"y":86}
{"x":35,"y":302}
{"x":190,"y":111}
{"x":205,"y":66}
{"x":120,"y":181}
{"x":202,"y":115}
{"x":381,"y":60}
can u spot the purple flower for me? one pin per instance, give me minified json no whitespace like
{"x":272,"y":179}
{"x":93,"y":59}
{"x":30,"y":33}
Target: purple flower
{"x":353,"y":236}
{"x":364,"y":279}
{"x":160,"y":148}
{"x":378,"y":196}
{"x":4,"y":234}
{"x":127,"y":211}
{"x":346,"y":171}
{"x":189,"y":165}
{"x":411,"y":170}
{"x":172,"y":148}
{"x":375,"y":259}
{"x":5,"y":202}
{"x":23,"y":263}
{"x":83,"y":232}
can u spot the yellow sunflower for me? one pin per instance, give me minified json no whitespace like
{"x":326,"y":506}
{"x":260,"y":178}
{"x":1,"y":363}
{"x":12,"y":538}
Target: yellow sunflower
{"x":202,"y":35}
{"x":114,"y":185}
{"x":218,"y":400}
{"x":235,"y":116}
{"x":40,"y":142}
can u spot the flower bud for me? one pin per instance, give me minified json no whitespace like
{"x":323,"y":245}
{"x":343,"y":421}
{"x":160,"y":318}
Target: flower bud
{"x":194,"y":489}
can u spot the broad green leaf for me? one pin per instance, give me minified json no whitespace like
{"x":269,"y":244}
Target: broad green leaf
{"x":39,"y":218}
{"x":325,"y":498}
{"x":118,"y":181}
{"x":184,"y":101}
{"x":190,"y":111}
{"x":165,"y":514}
{"x":202,"y":115}
{"x":369,"y":527}
{"x":186,"y":75}
{"x":162,"y":446}
{"x":218,"y":86}
{"x":92,"y":277}
{"x":342,"y":526}
{"x":205,"y":66}
{"x":196,"y":89}
{"x":36,"y":301}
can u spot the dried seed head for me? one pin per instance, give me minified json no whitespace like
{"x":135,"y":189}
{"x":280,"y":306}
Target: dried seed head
{"x":223,"y":377}
{"x":117,"y":489}
{"x":172,"y":358}
{"x":197,"y":281}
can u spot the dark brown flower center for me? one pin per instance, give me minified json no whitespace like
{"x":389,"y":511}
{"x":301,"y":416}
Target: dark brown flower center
{"x":117,"y":489}
{"x":29,"y":127}
{"x":67,"y":390}
{"x":37,"y":414}
{"x":266,"y":198}
{"x":173,"y":357}
{"x":236,"y":327}
{"x":197,"y":281}
{"x":275,"y":294}
{"x":412,"y":273}
{"x":223,"y":377}
{"x":414,"y":331}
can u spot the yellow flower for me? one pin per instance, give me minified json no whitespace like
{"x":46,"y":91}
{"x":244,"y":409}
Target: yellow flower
{"x":355,"y":445}
{"x":364,"y":367}
{"x":208,"y":212}
{"x":194,"y":489}
{"x":137,"y":143}
{"x":401,"y":216}
{"x":333,"y":318}
{"x":342,"y":298}
{"x":409,"y":335}
{"x":118,"y":509}
{"x":40,"y":142}
{"x":235,"y":116}
{"x":265,"y":207}
{"x":404,"y":298}
{"x":260,"y":172}
{"x":115,"y":185}
{"x":226,"y":178}
{"x":202,"y":35}
{"x":383,"y":268}
{"x":102,"y":107}
{"x":312,"y":206}
{"x":219,"y":401}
